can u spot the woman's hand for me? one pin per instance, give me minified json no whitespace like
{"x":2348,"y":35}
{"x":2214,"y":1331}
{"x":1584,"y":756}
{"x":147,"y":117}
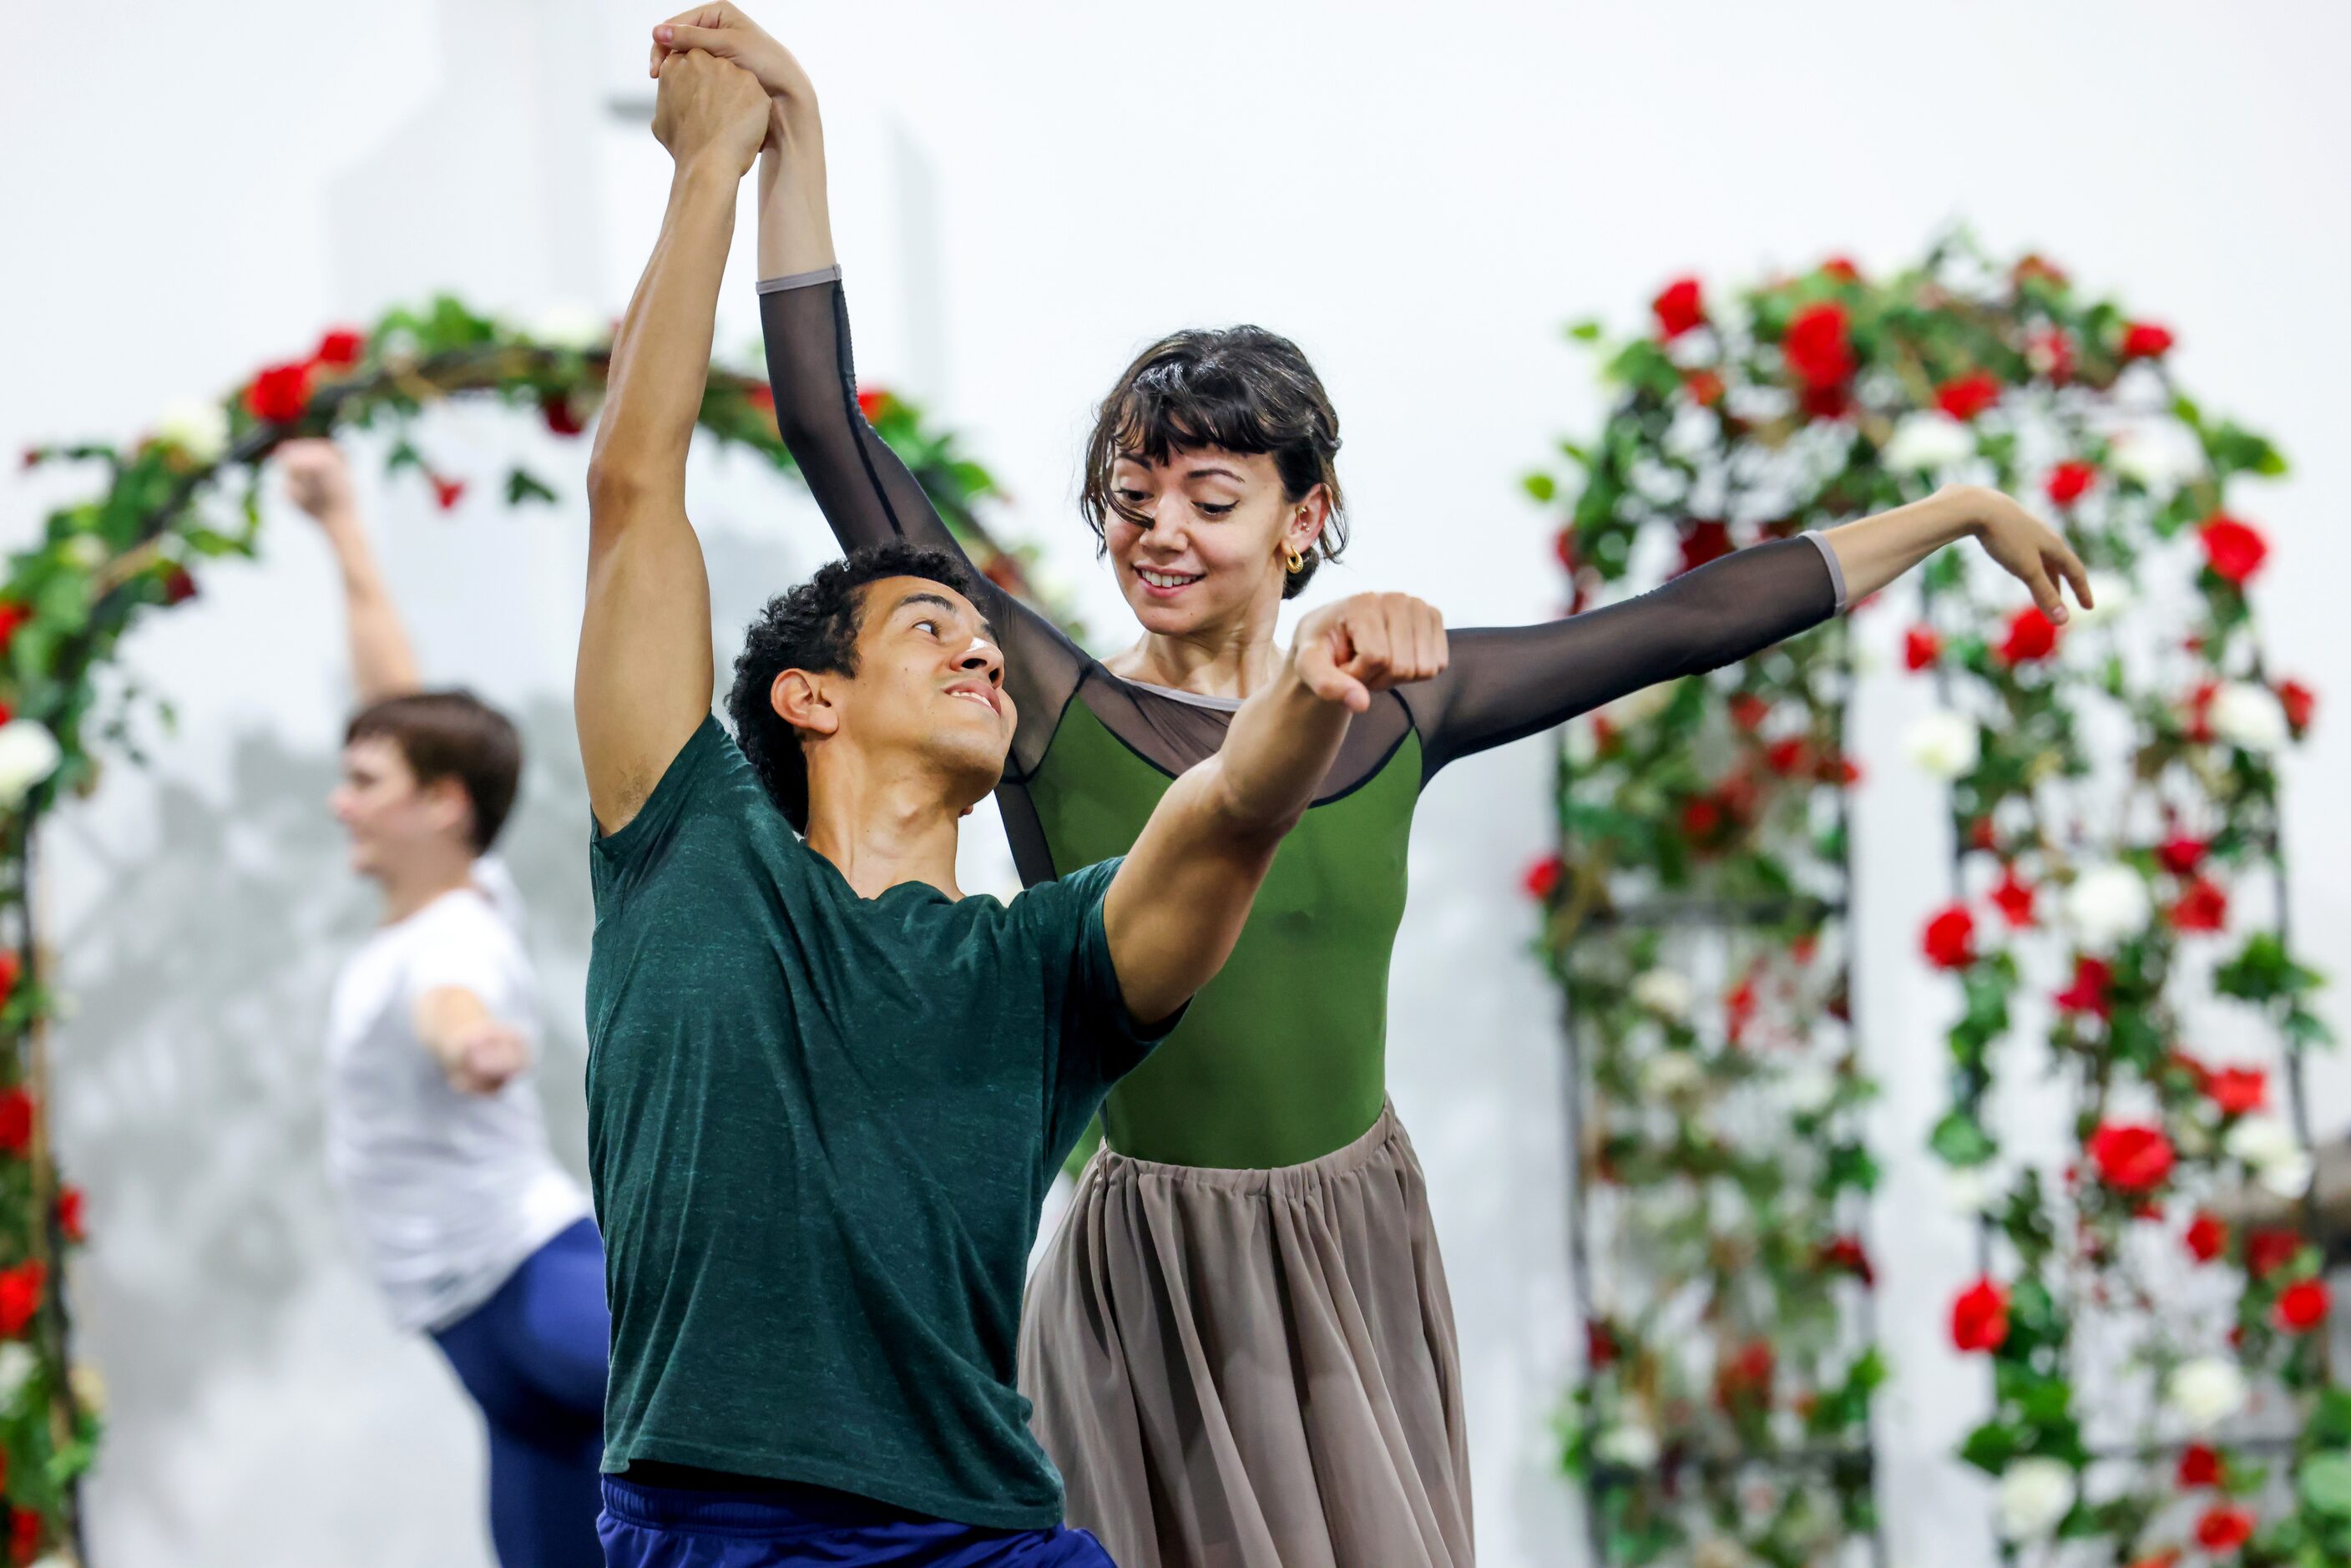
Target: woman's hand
{"x":2025,"y":547}
{"x":725,"y":32}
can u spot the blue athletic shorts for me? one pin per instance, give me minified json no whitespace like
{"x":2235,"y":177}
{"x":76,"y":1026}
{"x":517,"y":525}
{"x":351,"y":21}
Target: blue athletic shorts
{"x":670,"y":1527}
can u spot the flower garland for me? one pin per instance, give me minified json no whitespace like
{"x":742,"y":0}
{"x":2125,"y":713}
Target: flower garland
{"x":188,"y":492}
{"x":2115,"y":798}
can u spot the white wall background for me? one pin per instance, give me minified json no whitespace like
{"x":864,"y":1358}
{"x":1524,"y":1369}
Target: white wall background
{"x":1024,"y":194}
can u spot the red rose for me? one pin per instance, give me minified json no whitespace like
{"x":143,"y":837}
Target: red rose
{"x":1785,"y":756}
{"x":1921,"y":647}
{"x":447,"y":493}
{"x":1841,"y":268}
{"x":1704,"y":540}
{"x":2224,"y":1529}
{"x":2203,"y":907}
{"x":179,"y":586}
{"x":16,"y":1120}
{"x":1705,"y":388}
{"x":2069,"y":482}
{"x":2050,"y":352}
{"x":1678,"y":308}
{"x":69,"y":1215}
{"x":2146,"y":340}
{"x":2199,"y":1467}
{"x":2298,"y":700}
{"x":1967,"y":395}
{"x":2237,"y":1089}
{"x":1542,"y":877}
{"x":870,"y":400}
{"x":1816,"y":346}
{"x":280,"y":394}
{"x":2131,"y":1156}
{"x":2233,"y":550}
{"x":1950,"y":940}
{"x":2014,"y":899}
{"x":1701,"y":816}
{"x":341,"y":346}
{"x":1739,"y":1009}
{"x":1847,"y":1253}
{"x":1979,"y":1317}
{"x":2206,"y":1237}
{"x":1746,"y":1377}
{"x":1826,"y":403}
{"x":2180,"y":854}
{"x":2302,"y":1307}
{"x":2031,"y":635}
{"x":1749,"y":711}
{"x":24,"y":1535}
{"x":2267,"y":1252}
{"x":555,"y":409}
{"x":12,"y":969}
{"x":2087,"y":994}
{"x":20,"y":1296}
{"x":12,"y":615}
{"x":1599,"y":1344}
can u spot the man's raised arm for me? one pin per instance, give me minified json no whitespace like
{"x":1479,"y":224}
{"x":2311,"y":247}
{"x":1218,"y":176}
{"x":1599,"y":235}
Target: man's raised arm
{"x":643,"y":680}
{"x":1178,"y":903}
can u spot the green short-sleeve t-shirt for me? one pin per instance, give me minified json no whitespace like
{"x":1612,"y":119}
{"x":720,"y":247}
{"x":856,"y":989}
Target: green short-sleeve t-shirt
{"x":819,"y":1128}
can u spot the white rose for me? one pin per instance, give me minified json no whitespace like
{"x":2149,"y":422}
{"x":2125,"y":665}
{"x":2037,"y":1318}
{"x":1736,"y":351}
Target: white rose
{"x":1925,"y":443}
{"x":2205,"y":1392}
{"x":1629,"y":1444}
{"x":28,"y":753}
{"x":1943,"y":744}
{"x":196,"y":428}
{"x":87,"y":551}
{"x":2035,"y":1495}
{"x":2249,"y":716}
{"x":2107,"y":904}
{"x":2289,"y":1177}
{"x":1970,"y":1189}
{"x":2261,"y":1140}
{"x":17,"y":1364}
{"x":569,"y":325}
{"x":1637,"y":708}
{"x":1664,"y":992}
{"x":2113,"y":593}
{"x":2160,"y":455}
{"x":1809,"y":1089}
{"x":1670,"y":1074}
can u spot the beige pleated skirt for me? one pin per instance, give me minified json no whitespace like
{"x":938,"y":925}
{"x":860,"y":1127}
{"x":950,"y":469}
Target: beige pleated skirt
{"x":1253,"y":1368}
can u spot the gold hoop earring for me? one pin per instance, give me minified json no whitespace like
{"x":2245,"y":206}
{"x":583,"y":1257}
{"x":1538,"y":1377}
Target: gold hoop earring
{"x":1291,"y":561}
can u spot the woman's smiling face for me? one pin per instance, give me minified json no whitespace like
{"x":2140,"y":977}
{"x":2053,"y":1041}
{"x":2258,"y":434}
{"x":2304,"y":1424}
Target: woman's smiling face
{"x":1209,"y":548}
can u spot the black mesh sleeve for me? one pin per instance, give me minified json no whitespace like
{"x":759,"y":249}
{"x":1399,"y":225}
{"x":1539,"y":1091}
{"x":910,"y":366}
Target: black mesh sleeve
{"x":868,"y":498}
{"x":1503,"y":683}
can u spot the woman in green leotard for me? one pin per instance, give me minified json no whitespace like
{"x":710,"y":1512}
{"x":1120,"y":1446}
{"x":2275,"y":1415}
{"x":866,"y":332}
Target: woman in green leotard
{"x":1240,"y":1347}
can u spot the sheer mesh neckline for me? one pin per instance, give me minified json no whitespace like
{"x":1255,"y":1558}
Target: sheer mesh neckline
{"x":1197,"y":699}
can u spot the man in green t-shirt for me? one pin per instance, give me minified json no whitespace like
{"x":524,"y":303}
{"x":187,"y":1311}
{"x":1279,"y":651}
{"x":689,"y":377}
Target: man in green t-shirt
{"x":826,"y":1090}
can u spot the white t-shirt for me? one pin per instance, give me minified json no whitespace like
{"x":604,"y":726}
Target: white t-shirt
{"x":450,"y":1192}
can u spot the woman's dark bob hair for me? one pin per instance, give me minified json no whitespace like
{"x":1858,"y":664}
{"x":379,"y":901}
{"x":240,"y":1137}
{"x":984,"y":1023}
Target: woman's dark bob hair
{"x":1243,"y":388}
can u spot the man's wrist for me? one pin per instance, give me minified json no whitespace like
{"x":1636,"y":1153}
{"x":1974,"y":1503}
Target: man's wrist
{"x":708,"y":171}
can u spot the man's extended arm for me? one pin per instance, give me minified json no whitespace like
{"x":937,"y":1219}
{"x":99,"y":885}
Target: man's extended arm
{"x":643,"y":680}
{"x":318,"y":480}
{"x":1178,"y":903}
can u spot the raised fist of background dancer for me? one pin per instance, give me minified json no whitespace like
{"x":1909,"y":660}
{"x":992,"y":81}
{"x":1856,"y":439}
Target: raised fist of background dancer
{"x":709,"y":107}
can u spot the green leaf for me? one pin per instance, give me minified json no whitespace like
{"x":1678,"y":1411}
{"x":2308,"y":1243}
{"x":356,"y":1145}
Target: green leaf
{"x":1959,"y":1140}
{"x":2326,"y":1484}
{"x":1542,"y":486}
{"x":1584,"y":332}
{"x":521,"y":487}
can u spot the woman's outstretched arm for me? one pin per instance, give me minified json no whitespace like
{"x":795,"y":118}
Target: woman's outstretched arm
{"x":866,"y":494}
{"x":1508,"y":682}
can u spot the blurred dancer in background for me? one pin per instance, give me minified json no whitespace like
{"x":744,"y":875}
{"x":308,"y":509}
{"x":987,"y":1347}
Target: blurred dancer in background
{"x":435,"y":1136}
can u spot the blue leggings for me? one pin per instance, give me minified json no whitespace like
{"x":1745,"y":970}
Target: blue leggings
{"x":532,"y":1356}
{"x":782,"y":1527}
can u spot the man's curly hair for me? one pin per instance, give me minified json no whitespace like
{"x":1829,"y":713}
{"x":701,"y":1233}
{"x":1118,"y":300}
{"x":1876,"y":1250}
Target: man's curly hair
{"x":814,"y":627}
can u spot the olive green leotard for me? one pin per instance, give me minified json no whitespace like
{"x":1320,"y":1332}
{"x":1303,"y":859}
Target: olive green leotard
{"x":1282,"y":1057}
